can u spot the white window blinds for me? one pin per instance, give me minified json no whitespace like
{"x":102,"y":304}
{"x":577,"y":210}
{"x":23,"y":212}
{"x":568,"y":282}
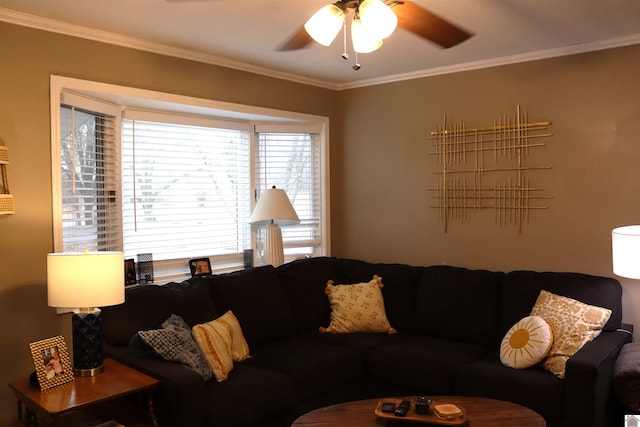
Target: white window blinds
{"x":186,"y":190}
{"x":291,"y":161}
{"x":89,"y":181}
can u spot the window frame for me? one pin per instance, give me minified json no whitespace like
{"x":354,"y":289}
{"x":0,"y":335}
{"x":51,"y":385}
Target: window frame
{"x":257,"y":117}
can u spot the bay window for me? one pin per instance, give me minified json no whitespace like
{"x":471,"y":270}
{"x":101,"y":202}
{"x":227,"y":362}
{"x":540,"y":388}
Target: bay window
{"x":177,"y":177}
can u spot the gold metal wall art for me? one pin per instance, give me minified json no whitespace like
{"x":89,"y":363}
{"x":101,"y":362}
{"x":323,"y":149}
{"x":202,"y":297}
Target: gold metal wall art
{"x":489,"y":168}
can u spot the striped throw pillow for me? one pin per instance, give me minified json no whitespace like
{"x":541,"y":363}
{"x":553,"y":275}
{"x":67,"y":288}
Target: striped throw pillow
{"x":221,"y":342}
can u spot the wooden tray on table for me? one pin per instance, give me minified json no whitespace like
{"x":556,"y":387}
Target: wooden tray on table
{"x":413,"y":416}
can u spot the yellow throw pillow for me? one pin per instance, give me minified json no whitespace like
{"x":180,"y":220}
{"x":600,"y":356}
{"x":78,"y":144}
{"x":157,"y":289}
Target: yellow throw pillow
{"x":357,"y":308}
{"x":222,"y":342}
{"x":573,"y":324}
{"x":214,"y":340}
{"x":239,"y":346}
{"x":527,"y":343}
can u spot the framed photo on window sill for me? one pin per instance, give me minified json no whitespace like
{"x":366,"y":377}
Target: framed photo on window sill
{"x":130,"y":272}
{"x":200,"y":267}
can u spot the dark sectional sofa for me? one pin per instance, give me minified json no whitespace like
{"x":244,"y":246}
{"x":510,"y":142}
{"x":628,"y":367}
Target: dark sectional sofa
{"x":450,"y":323}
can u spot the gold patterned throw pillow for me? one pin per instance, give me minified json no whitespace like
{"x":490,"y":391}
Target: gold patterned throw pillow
{"x":222,"y":343}
{"x":527,"y":343}
{"x":357,"y":308}
{"x":572,"y":323}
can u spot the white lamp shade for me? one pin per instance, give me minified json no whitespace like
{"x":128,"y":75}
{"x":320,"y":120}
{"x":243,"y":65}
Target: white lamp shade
{"x":325,"y":24}
{"x":378,"y":18}
{"x":625,"y":245}
{"x":274,"y":205}
{"x":363,"y":40}
{"x":85,"y":279}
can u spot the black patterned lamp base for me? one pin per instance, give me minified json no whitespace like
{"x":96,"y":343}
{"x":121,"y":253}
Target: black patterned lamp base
{"x":87,"y":343}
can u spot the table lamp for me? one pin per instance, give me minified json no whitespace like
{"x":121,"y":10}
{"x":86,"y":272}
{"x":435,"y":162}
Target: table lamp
{"x":85,"y":281}
{"x":273,"y":209}
{"x":625,"y":245}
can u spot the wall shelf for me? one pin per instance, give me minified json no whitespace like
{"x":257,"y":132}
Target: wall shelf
{"x":7,"y":206}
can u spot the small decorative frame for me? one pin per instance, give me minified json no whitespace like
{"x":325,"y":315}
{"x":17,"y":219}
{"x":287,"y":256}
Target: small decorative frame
{"x":200,"y":267}
{"x":130,"y":272}
{"x":52,"y":363}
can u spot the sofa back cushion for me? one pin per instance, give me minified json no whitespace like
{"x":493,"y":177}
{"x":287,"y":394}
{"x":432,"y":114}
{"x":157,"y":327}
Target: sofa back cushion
{"x":256,"y":298}
{"x":521,"y":289}
{"x":304,"y":282}
{"x":147,"y":306}
{"x":459,"y":304}
{"x":400,"y":287}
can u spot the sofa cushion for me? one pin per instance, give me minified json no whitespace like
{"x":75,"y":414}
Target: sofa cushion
{"x":257,"y":300}
{"x":527,"y":343}
{"x":173,"y":342}
{"x":400,"y":287}
{"x":250,"y":396}
{"x":361,"y":341}
{"x":304,"y":282}
{"x":357,"y":308}
{"x":460,"y":304}
{"x":573,"y":324}
{"x":147,"y":306}
{"x":520,"y":290}
{"x":422,"y":364}
{"x":534,"y":388}
{"x":315,"y":367}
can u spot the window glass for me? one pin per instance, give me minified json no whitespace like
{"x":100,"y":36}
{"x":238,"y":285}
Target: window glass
{"x":290,"y":161}
{"x":186,"y":190}
{"x":90,"y":187}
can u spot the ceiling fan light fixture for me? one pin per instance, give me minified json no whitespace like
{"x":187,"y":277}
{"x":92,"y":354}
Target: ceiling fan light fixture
{"x":380,"y":20}
{"x":325,"y":24}
{"x":362,"y":38}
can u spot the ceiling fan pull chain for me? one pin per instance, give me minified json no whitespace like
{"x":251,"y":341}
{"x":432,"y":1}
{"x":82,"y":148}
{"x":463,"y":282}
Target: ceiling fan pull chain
{"x":345,"y":55}
{"x":356,"y":66}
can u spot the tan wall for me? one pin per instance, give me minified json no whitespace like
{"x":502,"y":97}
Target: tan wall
{"x":27,"y":59}
{"x":380,"y":173}
{"x":381,"y":205}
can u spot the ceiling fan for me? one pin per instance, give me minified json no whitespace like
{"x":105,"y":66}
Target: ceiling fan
{"x":407,"y":16}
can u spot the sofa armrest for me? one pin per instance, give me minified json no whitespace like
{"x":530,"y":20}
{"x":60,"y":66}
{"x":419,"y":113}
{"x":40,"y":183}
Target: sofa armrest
{"x":589,"y":376}
{"x":178,"y":400}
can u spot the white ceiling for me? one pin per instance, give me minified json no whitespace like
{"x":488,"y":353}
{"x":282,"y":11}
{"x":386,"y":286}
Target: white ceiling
{"x":245,"y":34}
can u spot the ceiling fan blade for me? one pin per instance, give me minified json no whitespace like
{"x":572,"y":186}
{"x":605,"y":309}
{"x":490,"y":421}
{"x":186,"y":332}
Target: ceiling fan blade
{"x":299,"y":40}
{"x":428,"y":25}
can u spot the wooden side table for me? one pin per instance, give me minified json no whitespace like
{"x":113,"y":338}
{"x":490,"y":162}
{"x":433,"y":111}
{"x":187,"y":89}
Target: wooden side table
{"x":107,"y":396}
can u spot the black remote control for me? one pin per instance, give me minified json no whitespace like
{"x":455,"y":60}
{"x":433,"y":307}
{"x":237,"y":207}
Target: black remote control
{"x":402,"y":408}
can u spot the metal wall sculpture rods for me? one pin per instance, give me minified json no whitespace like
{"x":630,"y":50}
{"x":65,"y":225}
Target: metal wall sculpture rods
{"x":470,"y":158}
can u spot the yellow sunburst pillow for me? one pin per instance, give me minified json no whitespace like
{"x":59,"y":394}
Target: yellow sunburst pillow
{"x":527,"y":343}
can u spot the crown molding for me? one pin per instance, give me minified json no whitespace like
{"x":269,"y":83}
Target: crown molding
{"x":51,"y":25}
{"x":504,"y":60}
{"x":46,"y":24}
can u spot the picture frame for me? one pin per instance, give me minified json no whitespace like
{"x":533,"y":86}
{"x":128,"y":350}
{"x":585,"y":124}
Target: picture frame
{"x":248,"y":258}
{"x":51,"y":362}
{"x":130,"y":272}
{"x":200,"y":267}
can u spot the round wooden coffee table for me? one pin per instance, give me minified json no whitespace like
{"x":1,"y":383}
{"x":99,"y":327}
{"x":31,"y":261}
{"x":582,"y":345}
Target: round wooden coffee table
{"x":479,"y":412}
